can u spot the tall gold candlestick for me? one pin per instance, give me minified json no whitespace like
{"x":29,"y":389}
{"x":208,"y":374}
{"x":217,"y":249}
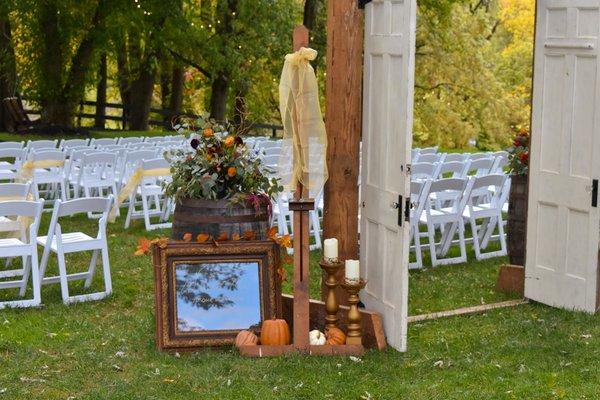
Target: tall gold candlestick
{"x":354,"y":335}
{"x":331,"y":268}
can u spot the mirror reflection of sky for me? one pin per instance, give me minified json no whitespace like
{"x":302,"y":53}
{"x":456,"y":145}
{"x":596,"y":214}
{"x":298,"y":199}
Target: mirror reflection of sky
{"x":243,"y":311}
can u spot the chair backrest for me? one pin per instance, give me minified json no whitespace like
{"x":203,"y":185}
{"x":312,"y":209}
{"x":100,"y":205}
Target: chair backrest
{"x":460,"y":188}
{"x":83,"y":205}
{"x":156,"y":139}
{"x":17,"y":154}
{"x":12,"y":145}
{"x":419,"y":193}
{"x":142,"y":145}
{"x":270,"y":160}
{"x":458,"y":169}
{"x":499,"y":164}
{"x":424,"y":170}
{"x":479,"y":156}
{"x":272,"y":151}
{"x":47,"y":155}
{"x":428,"y":158}
{"x":103,"y":142}
{"x":155,"y":163}
{"x":480,"y":167}
{"x":129,"y":140}
{"x":454,"y":157}
{"x":70,"y":143}
{"x":268,"y":144}
{"x":486,"y":182}
{"x":429,"y":150}
{"x":22,"y":208}
{"x":42,"y":144}
{"x":15,"y":191}
{"x":501,"y":153}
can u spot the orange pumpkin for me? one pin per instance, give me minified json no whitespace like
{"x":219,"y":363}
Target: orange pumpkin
{"x":246,"y":338}
{"x":275,"y":332}
{"x":335,"y":336}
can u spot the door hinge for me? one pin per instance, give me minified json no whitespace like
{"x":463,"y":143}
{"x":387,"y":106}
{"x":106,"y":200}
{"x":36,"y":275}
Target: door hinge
{"x":595,"y":193}
{"x":363,"y":3}
{"x":398,"y":206}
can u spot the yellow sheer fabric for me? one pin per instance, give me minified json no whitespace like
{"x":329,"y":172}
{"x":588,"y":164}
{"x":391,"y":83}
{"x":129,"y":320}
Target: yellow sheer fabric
{"x":303,"y":152}
{"x":134,"y":180}
{"x":26,"y":172}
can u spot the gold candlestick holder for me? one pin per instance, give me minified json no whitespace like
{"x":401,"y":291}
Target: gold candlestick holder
{"x":331,"y":268}
{"x":354,"y":335}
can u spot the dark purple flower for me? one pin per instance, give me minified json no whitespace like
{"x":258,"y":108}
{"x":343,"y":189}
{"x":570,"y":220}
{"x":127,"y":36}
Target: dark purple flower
{"x":239,"y":141}
{"x":195,"y":143}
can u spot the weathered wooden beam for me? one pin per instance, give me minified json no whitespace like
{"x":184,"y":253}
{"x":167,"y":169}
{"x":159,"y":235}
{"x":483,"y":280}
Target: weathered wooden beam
{"x":466,"y":310}
{"x":343,"y":123}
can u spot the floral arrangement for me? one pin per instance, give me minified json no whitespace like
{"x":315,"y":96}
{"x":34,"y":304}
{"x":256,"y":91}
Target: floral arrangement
{"x":219,"y":166}
{"x":518,"y":154}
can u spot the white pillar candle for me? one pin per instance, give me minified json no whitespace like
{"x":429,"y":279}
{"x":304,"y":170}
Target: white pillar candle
{"x":352,"y":270}
{"x":330,"y":249}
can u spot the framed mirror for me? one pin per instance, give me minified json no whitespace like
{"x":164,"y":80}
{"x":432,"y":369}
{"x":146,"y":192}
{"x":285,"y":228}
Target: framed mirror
{"x":206,"y":294}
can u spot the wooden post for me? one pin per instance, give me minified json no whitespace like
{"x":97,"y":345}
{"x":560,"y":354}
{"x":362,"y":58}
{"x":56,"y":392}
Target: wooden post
{"x":343,"y":122}
{"x":301,"y":241}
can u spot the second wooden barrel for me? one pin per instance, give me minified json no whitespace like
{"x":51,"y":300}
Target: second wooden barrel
{"x":215,"y":217}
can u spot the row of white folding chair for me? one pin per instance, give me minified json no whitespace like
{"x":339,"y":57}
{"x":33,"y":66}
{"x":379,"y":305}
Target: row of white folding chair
{"x":56,"y":241}
{"x":458,"y":194}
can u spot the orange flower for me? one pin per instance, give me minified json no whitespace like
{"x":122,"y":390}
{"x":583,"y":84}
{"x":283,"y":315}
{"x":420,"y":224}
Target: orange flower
{"x":208,"y":132}
{"x":187,"y":237}
{"x":209,"y":156}
{"x":231,"y":172}
{"x":272,"y":233}
{"x":229,"y":141}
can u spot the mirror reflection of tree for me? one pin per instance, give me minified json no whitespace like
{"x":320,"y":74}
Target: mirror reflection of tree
{"x":196,"y":281}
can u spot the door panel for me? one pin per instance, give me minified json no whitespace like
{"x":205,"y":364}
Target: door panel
{"x":387,"y":142}
{"x":563,"y":227}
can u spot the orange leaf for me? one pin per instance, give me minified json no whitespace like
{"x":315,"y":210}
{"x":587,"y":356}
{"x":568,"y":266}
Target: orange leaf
{"x":143,"y":247}
{"x":287,"y":259}
{"x":203,"y":238}
{"x":283,"y":275}
{"x":235,"y":237}
{"x":187,"y":237}
{"x":285,"y":241}
{"x":223,"y":237}
{"x":249,"y":235}
{"x":272,"y":233}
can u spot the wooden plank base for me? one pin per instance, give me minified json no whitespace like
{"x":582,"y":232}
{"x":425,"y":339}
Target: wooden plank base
{"x":373,"y":335}
{"x":325,"y":350}
{"x":466,"y":310}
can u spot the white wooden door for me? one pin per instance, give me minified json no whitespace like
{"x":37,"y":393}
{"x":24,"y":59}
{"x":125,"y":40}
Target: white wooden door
{"x":387,"y":139}
{"x":563,"y":225}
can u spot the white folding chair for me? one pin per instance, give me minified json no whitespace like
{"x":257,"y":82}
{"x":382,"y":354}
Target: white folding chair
{"x":450,"y":219}
{"x":38,"y":145}
{"x":130,"y":162}
{"x":129,"y":140}
{"x":12,"y":145}
{"x":270,"y":161}
{"x":491,"y":226}
{"x":96,"y":177}
{"x":103,"y":142}
{"x":424,"y":170}
{"x":429,"y":150}
{"x":150,"y":190}
{"x":479,"y":156}
{"x":66,"y":144}
{"x":156,"y":139}
{"x":52,"y":178}
{"x":272,"y":151}
{"x":428,"y":158}
{"x":73,"y":242}
{"x":458,"y":169}
{"x":12,"y":161}
{"x":414,"y":155}
{"x":490,"y":213}
{"x":480,"y":166}
{"x":142,"y":146}
{"x":455,"y":157}
{"x":23,"y":247}
{"x":419,"y":193}
{"x":500,"y":162}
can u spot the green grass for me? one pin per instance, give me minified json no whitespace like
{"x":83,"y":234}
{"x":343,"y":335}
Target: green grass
{"x":105,"y":349}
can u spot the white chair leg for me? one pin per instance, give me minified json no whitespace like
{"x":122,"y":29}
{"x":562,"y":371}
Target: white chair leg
{"x":475,"y":235}
{"x":62,"y":272}
{"x":44,"y":263}
{"x":461,"y":238}
{"x":146,"y":212}
{"x":432,"y":247}
{"x":26,"y":271}
{"x":130,"y":210}
{"x":106,"y":269}
{"x":35,"y":278}
{"x":503,"y":246}
{"x":92,"y":269}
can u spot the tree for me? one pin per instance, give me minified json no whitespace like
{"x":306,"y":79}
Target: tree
{"x":8,"y":69}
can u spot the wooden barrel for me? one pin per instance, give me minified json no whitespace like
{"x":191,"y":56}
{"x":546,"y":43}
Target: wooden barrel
{"x":215,"y":217}
{"x":517,"y":219}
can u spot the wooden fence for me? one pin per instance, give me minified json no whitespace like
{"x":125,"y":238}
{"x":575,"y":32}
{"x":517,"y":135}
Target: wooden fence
{"x":158,"y":117}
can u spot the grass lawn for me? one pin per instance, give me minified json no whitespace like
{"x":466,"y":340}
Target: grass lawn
{"x":105,"y":350}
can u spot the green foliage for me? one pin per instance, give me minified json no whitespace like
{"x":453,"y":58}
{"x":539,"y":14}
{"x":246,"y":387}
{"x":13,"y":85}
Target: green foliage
{"x":473,"y":73}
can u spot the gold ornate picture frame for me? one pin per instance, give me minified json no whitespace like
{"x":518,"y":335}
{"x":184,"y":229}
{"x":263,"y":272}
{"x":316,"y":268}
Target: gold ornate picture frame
{"x":206,"y":293}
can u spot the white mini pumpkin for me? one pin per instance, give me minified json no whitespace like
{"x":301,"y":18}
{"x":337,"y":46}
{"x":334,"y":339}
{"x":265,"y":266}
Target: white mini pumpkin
{"x":317,"y":338}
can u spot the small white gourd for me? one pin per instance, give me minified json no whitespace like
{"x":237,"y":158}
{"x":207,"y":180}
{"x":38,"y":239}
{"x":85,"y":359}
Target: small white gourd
{"x":317,"y":338}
